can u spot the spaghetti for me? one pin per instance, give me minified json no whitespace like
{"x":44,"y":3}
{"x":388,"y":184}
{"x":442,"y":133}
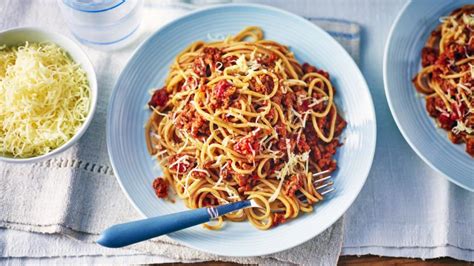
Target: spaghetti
{"x":447,"y":76}
{"x":242,"y":119}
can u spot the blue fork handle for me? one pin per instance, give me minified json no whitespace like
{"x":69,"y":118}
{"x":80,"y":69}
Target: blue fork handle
{"x":125,"y":234}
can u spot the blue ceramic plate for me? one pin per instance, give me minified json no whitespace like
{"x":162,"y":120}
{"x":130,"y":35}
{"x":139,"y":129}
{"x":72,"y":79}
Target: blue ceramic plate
{"x":147,"y":69}
{"x":401,"y":63}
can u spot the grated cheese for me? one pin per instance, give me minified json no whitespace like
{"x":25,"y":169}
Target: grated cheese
{"x":318,"y":101}
{"x":468,"y":20}
{"x":465,"y":88}
{"x":44,"y":98}
{"x":289,"y":168}
{"x":232,"y":194}
{"x":182,"y":159}
{"x":241,"y":62}
{"x":461,"y":127}
{"x":221,"y":177}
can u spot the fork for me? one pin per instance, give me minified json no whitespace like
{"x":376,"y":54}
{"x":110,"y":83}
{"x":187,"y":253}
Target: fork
{"x":121,"y":235}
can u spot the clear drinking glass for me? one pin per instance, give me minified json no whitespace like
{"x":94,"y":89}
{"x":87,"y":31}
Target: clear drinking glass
{"x":103,"y":24}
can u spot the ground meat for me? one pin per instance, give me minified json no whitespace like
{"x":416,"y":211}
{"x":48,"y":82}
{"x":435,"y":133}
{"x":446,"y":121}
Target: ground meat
{"x":271,"y":114}
{"x":266,"y":85}
{"x":209,"y":57}
{"x":159,"y":98}
{"x":431,"y":106}
{"x":316,"y":153}
{"x":229,"y":60}
{"x":457,"y":111}
{"x":327,"y":150}
{"x":277,"y":98}
{"x":289,"y":100}
{"x":323,"y":123}
{"x":442,"y":66}
{"x":197,"y":125}
{"x":283,"y":146}
{"x":246,"y":182}
{"x":428,"y":56}
{"x":310,"y":134}
{"x":447,"y":87}
{"x":340,"y":125}
{"x":278,"y":218}
{"x":470,"y":145}
{"x":190,"y":83}
{"x":454,"y":138}
{"x":445,"y":121}
{"x":332,"y":146}
{"x":320,"y":107}
{"x":292,"y":185}
{"x":301,"y":105}
{"x":455,"y":51}
{"x":445,"y":60}
{"x":247,"y":146}
{"x":267,"y":82}
{"x":242,"y":180}
{"x":160,"y":186}
{"x":184,"y":166}
{"x":199,"y":174}
{"x":212,"y":55}
{"x":267,"y":60}
{"x":222,"y":94}
{"x":283,"y":135}
{"x":327,"y":163}
{"x":470,"y":119}
{"x":199,"y":67}
{"x":280,"y":129}
{"x":467,"y":80}
{"x":193,"y":123}
{"x":307,"y":68}
{"x":470,"y":46}
{"x":210,"y":201}
{"x":227,"y":171}
{"x":301,"y":144}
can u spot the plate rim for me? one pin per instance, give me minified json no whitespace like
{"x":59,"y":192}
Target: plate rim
{"x":389,"y":97}
{"x":371,"y":126}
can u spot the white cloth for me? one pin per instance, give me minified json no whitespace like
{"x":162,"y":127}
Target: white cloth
{"x":51,"y":212}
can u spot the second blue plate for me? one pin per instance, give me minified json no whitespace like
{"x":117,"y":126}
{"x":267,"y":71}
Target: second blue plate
{"x":402,"y":61}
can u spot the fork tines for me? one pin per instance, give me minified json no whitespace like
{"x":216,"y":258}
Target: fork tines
{"x":321,"y":173}
{"x":323,"y":185}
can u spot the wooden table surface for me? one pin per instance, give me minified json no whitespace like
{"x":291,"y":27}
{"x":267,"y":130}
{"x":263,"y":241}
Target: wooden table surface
{"x":376,"y":261}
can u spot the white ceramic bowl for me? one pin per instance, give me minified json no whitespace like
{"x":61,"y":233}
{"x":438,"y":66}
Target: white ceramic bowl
{"x":17,"y":36}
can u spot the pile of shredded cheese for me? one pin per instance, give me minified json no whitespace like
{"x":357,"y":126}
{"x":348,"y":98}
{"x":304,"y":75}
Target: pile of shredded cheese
{"x":44,"y":99}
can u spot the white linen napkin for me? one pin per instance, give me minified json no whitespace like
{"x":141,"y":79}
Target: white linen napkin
{"x":51,"y":212}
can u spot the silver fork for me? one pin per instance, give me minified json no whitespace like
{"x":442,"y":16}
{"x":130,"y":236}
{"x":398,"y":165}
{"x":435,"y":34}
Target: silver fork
{"x":125,"y":234}
{"x":323,"y":186}
{"x":323,"y":183}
